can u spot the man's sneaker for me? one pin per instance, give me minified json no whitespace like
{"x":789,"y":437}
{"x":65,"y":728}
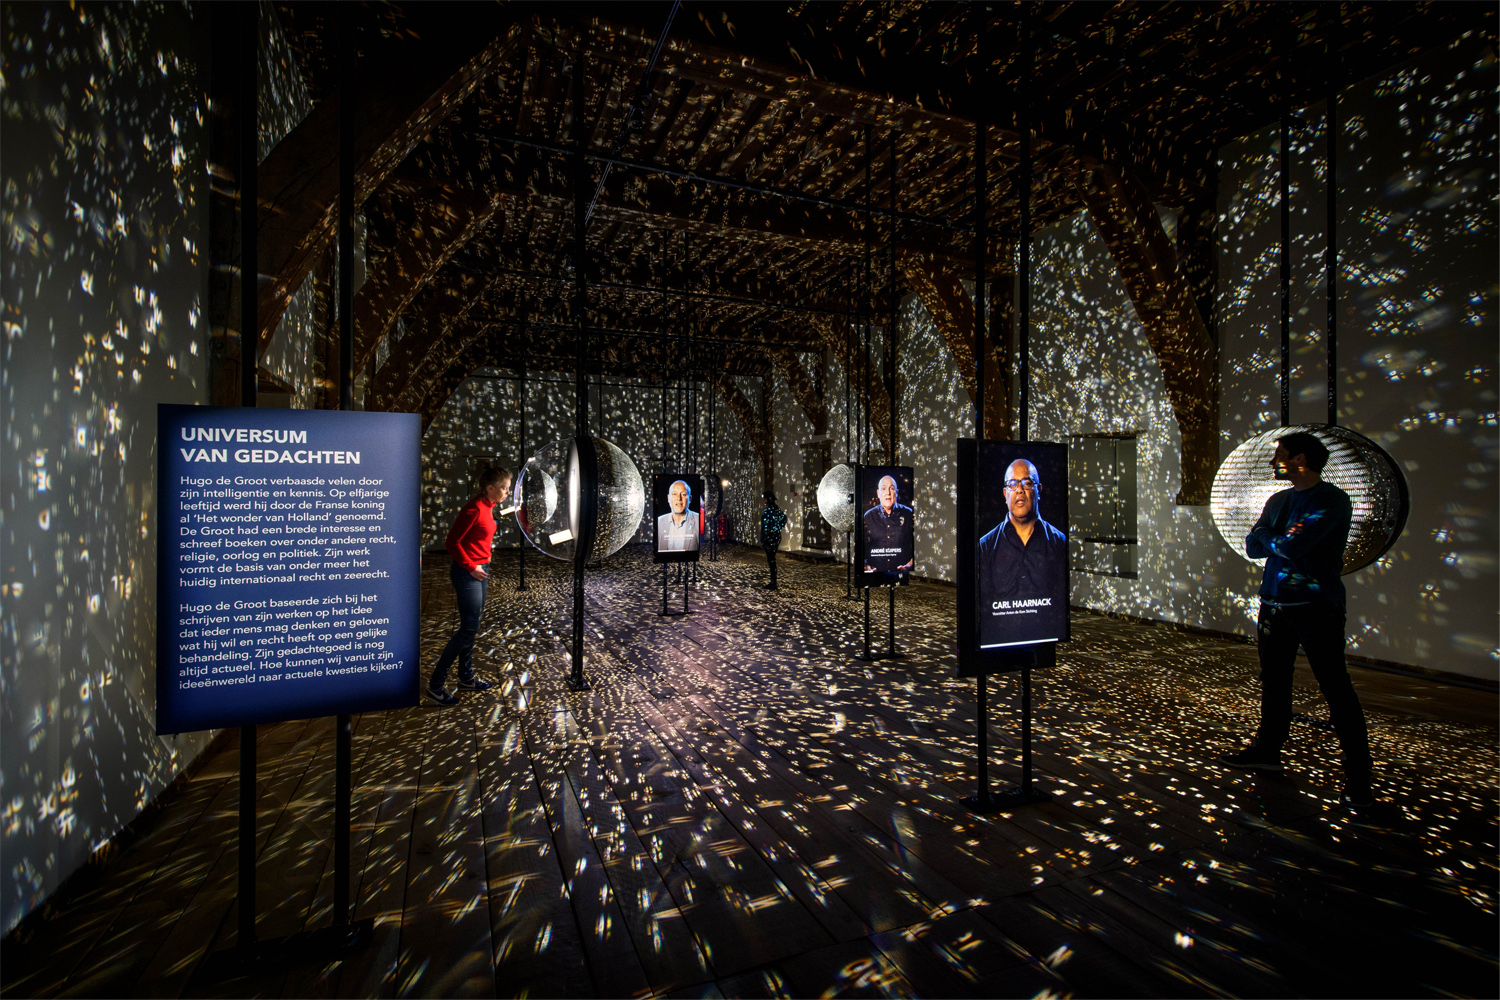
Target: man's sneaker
{"x":442,"y":697}
{"x":1253,"y":758}
{"x":1357,"y":791}
{"x":474,"y":684}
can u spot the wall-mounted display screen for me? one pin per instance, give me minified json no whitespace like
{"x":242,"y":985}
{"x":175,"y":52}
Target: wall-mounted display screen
{"x":885,"y":532}
{"x":289,"y":564}
{"x":1013,"y":550}
{"x":676,"y":503}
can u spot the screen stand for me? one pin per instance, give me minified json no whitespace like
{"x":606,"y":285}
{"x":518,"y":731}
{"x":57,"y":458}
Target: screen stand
{"x":673,"y":614}
{"x":575,"y":679}
{"x":341,"y":938}
{"x":849,"y":594}
{"x":890,"y":653}
{"x":867,"y":656}
{"x":1026,"y":793}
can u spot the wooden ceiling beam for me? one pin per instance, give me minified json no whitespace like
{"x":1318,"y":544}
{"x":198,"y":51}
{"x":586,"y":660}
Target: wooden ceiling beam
{"x":643,"y":191}
{"x":749,"y":417}
{"x":1164,"y":301}
{"x":876,"y":398}
{"x":951,"y":308}
{"x":404,"y":91}
{"x":439,"y":228}
{"x":802,"y":389}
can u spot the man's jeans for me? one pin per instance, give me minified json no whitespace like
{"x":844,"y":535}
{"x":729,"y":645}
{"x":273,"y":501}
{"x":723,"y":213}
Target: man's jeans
{"x":1319,"y":629}
{"x":470,"y":594}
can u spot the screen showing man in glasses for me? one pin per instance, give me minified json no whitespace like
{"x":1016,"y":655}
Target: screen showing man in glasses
{"x":1023,"y":568}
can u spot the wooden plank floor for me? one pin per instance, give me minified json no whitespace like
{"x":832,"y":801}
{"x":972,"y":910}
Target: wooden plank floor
{"x":739,"y":808}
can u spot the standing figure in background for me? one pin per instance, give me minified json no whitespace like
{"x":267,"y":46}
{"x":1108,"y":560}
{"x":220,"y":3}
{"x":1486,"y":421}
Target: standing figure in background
{"x":1302,"y":533}
{"x":772,"y":520}
{"x":469,"y":543}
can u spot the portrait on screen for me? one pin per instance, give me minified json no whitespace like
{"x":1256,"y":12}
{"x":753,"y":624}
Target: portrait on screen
{"x":885,"y":539}
{"x":1022,"y":553}
{"x":679,"y":517}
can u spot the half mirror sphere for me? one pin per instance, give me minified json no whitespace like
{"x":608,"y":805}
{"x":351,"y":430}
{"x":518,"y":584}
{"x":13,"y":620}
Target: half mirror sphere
{"x":836,"y":497}
{"x":1356,"y":465}
{"x":622,"y":499}
{"x":544,"y":500}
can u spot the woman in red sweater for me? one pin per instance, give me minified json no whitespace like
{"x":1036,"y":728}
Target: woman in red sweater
{"x":469,"y":544}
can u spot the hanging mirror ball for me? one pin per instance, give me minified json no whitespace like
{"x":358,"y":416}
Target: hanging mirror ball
{"x":547,"y":494}
{"x":836,"y":498}
{"x":1358,"y":466}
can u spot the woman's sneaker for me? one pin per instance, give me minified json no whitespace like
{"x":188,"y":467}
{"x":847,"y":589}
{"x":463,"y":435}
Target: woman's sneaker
{"x":474,"y":684}
{"x":442,"y":697}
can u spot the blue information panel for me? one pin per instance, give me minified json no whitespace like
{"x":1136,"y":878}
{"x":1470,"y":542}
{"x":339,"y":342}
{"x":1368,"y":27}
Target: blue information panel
{"x":288,"y":572}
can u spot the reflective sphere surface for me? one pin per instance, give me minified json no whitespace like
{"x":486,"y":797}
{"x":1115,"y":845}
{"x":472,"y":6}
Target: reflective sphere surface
{"x":542,"y":494}
{"x":1356,"y":465}
{"x":836,"y":497}
{"x":622,"y":499}
{"x":547,"y":494}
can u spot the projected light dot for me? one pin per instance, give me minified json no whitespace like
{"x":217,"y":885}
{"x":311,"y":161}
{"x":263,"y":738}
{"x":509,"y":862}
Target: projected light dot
{"x":546,"y":491}
{"x":836,"y":498}
{"x":1356,"y":465}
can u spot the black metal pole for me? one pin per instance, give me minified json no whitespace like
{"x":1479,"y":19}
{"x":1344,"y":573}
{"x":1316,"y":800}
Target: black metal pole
{"x":867,"y":655}
{"x":343,"y":726}
{"x":892,"y":305}
{"x":982,"y":717}
{"x":521,"y":466}
{"x":1286,"y":273}
{"x":1026,"y":727}
{"x":1331,"y":249}
{"x":249,"y":162}
{"x":343,"y":807}
{"x":1024,"y":340}
{"x":849,"y":567}
{"x":246,"y":890}
{"x":891,"y":644}
{"x":981,"y":238}
{"x":580,"y":309}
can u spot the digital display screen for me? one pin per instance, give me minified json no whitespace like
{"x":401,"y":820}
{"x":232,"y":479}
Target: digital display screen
{"x":677,"y":509}
{"x":885,"y":534}
{"x":289,"y":564}
{"x":1013,"y":550}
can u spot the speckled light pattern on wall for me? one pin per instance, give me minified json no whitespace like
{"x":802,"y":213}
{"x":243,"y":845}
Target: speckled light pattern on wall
{"x":106,"y":230}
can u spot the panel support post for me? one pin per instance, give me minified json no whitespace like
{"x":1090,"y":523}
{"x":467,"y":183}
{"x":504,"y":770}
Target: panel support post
{"x":246,"y":890}
{"x":248,"y":56}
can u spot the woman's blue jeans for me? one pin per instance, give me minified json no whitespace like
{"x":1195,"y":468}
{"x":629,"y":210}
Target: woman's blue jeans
{"x":470,"y":594}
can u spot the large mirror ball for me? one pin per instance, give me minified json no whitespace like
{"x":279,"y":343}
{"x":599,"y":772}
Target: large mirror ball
{"x":836,"y":497}
{"x":547,"y":489}
{"x":1358,"y":466}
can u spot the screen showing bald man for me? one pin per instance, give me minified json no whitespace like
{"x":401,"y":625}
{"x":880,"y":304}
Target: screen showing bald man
{"x":679,"y":524}
{"x":1022,"y":557}
{"x":886,"y":536}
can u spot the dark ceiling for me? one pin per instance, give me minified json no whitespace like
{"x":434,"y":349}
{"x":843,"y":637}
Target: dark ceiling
{"x":757,"y":175}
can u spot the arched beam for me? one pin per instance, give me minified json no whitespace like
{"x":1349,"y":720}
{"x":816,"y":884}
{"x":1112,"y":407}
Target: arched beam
{"x":802,"y":389}
{"x":1164,"y":301}
{"x":404,"y":91}
{"x":407,"y":367}
{"x":748,"y":415}
{"x":879,"y":399}
{"x":438,"y":227}
{"x":952,"y":310}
